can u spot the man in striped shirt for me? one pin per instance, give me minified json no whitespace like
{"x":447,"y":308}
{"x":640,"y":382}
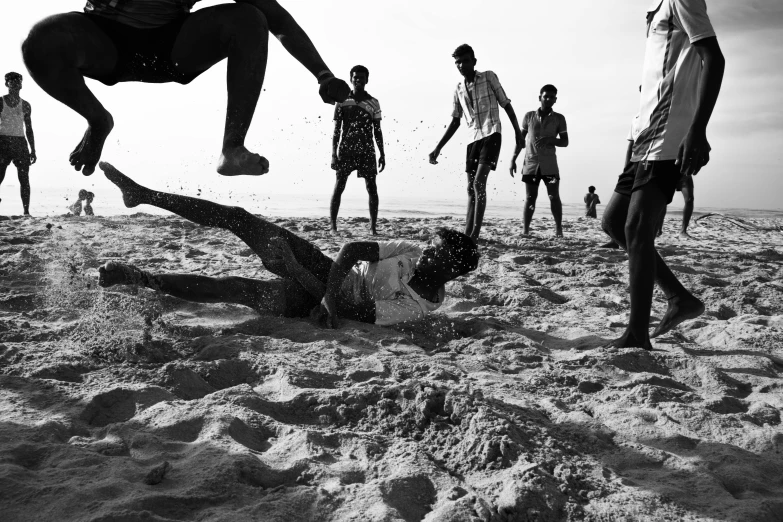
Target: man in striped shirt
{"x":683,"y":70}
{"x":477,"y":98}
{"x":160,"y":41}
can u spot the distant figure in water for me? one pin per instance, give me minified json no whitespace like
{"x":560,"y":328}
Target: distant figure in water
{"x":159,"y":41}
{"x":88,"y":204}
{"x":685,"y":186}
{"x":395,"y":281}
{"x":76,"y":207}
{"x":16,"y":123}
{"x":477,"y":98}
{"x":681,"y":79}
{"x":591,"y":200}
{"x":357,"y":119}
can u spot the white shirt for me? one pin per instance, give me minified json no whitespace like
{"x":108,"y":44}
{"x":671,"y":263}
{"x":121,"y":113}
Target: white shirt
{"x":386,"y":283}
{"x":670,"y":78}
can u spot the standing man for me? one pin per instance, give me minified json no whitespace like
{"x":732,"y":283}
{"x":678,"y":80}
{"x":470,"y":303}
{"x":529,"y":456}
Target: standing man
{"x":547,"y":130}
{"x":15,"y":124}
{"x":477,"y":98}
{"x":357,"y":119}
{"x":591,"y":200}
{"x":686,"y":187}
{"x":161,"y":41}
{"x":683,"y":71}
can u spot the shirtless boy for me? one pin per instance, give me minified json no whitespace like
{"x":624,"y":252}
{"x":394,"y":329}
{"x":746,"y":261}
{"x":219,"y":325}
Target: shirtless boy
{"x":15,"y":124}
{"x":159,"y":41}
{"x":394,"y":281}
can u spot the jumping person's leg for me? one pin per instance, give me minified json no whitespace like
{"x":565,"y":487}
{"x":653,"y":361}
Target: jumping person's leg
{"x":240,"y":33}
{"x":372,"y":193}
{"x":60,"y":52}
{"x":531,"y":195}
{"x":254,"y":231}
{"x":479,"y":198}
{"x":553,"y":190}
{"x":337,"y":196}
{"x":687,"y":210}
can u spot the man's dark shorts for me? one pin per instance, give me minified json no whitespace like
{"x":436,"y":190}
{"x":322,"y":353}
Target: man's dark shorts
{"x":485,"y":151}
{"x":14,"y":149}
{"x":143,"y":55}
{"x":637,"y":174}
{"x":550,"y":182}
{"x":364,"y":164}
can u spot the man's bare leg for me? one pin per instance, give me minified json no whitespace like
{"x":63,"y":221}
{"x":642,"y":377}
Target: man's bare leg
{"x":374,"y":202}
{"x":240,"y":33}
{"x":553,"y":189}
{"x":687,"y":211}
{"x":531,"y":195}
{"x":59,"y":52}
{"x":475,"y":217}
{"x":682,"y":305}
{"x":256,"y":232}
{"x":23,"y":174}
{"x":199,"y":289}
{"x":337,"y":196}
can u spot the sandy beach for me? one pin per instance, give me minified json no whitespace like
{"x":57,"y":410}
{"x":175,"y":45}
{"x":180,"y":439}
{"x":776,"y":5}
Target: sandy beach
{"x":123,"y":405}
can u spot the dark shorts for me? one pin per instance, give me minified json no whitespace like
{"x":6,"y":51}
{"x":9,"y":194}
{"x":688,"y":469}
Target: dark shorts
{"x":365,"y":165}
{"x":537,"y":178}
{"x":637,"y":174}
{"x":485,"y":151}
{"x":143,"y":55}
{"x":14,"y":149}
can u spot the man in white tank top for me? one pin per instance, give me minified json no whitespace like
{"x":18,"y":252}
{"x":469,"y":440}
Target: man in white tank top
{"x":15,"y":124}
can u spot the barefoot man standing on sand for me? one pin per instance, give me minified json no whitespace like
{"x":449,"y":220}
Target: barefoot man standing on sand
{"x":159,"y":41}
{"x":683,"y":70}
{"x":15,"y":124}
{"x":477,"y":98}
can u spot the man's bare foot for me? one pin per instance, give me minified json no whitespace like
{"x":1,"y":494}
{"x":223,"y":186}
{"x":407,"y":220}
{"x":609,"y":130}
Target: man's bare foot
{"x":685,"y":236}
{"x":681,"y":308}
{"x":610,"y":244}
{"x":113,"y":273}
{"x":628,"y":340}
{"x":239,"y":161}
{"x":559,"y":232}
{"x":131,"y":191}
{"x":87,"y":153}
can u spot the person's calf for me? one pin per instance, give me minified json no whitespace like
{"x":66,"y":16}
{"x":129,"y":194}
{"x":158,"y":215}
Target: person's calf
{"x":114,"y":273}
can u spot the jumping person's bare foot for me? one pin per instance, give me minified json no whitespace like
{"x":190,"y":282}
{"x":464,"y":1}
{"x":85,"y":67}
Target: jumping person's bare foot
{"x":131,"y":191}
{"x":610,"y":244}
{"x":628,"y":340}
{"x":239,"y":161}
{"x":87,"y":153}
{"x":681,"y":308}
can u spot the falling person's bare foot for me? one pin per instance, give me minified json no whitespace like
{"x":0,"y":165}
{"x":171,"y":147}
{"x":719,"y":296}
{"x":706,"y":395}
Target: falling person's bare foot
{"x":239,"y":161}
{"x":131,"y":191}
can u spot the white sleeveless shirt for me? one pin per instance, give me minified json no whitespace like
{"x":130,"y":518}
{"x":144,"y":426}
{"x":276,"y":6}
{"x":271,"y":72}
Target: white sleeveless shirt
{"x":12,"y":119}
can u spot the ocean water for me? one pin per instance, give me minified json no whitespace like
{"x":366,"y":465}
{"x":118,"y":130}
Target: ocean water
{"x":53,"y":201}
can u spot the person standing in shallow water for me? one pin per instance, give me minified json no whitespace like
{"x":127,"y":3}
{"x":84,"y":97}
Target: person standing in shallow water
{"x":591,"y":200}
{"x":160,"y":41}
{"x":477,"y":98}
{"x":547,"y":130}
{"x":682,"y":75}
{"x":357,"y":119}
{"x":15,"y":124}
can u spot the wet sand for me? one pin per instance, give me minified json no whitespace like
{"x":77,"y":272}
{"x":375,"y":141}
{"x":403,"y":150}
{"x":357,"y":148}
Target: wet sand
{"x":122,"y":405}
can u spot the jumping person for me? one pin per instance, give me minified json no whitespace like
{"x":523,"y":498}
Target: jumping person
{"x":395,"y":281}
{"x":160,"y":41}
{"x":477,"y":98}
{"x":683,"y":71}
{"x":547,"y":130}
{"x":16,"y":123}
{"x":357,"y":119}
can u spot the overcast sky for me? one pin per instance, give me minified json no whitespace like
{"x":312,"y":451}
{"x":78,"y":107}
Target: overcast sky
{"x":169,"y":136}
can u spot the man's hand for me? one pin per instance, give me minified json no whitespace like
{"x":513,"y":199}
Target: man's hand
{"x":513,"y":168}
{"x":327,"y":313}
{"x":33,"y":157}
{"x":381,"y":163}
{"x":434,"y":156}
{"x":546,"y":141}
{"x":694,"y":152}
{"x":333,"y":90}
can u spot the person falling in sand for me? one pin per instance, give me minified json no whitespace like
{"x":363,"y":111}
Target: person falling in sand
{"x":547,"y":130}
{"x":357,"y":119}
{"x":685,"y":185}
{"x":16,"y":123}
{"x":591,"y":200}
{"x":395,"y":281}
{"x":683,"y":70}
{"x":477,"y":98}
{"x":160,"y":41}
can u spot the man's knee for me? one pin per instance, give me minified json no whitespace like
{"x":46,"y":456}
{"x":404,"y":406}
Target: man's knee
{"x":247,"y":20}
{"x":47,"y":40}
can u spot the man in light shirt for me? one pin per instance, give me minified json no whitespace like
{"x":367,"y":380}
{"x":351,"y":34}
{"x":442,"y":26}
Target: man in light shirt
{"x":15,"y":124}
{"x":683,"y":70}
